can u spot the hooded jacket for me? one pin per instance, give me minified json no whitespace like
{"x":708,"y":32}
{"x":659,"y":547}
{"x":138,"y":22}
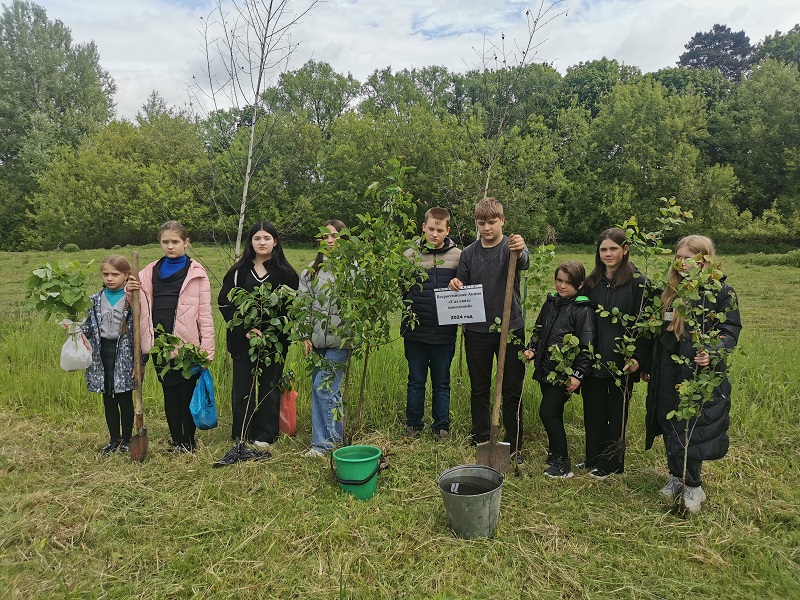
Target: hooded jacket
{"x":194,"y":322}
{"x":318,"y":289}
{"x":709,"y":437}
{"x":559,"y":317}
{"x":440,"y":265}
{"x":123,"y":365}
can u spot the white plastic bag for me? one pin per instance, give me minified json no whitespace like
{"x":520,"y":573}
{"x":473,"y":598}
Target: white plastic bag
{"x":76,"y":353}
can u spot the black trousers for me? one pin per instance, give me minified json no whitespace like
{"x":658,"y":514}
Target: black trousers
{"x":119,"y":415}
{"x":605,"y":410}
{"x":177,"y":397}
{"x":481,"y":348}
{"x":261,"y":412}
{"x":551,"y":412}
{"x":118,"y":407}
{"x":675,"y":466}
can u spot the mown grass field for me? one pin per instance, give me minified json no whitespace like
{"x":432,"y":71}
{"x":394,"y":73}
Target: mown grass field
{"x":75,"y":525}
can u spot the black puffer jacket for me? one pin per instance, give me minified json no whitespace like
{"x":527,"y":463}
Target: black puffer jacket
{"x":709,"y":438}
{"x":630,"y":300}
{"x":559,"y":317}
{"x":441,"y":267}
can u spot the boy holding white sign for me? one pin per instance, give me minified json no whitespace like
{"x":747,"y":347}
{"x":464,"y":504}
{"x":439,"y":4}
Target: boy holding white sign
{"x":486,"y":262}
{"x":429,"y":345}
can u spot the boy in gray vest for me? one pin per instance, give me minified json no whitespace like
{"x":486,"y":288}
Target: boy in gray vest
{"x":428,"y":345}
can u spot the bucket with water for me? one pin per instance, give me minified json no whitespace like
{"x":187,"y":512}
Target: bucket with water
{"x":471,"y":495}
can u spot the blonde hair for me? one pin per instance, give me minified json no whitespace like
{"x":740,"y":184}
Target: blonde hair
{"x":696,"y":244}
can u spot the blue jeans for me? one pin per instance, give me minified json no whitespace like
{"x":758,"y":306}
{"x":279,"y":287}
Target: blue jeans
{"x":326,"y":431}
{"x":437,"y":358}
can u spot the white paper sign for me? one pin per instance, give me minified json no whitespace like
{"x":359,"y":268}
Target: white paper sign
{"x":463,"y":306}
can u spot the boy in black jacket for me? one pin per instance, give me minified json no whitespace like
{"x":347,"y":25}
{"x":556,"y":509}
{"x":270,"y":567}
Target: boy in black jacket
{"x":429,"y":345}
{"x":563,"y":313}
{"x":485,"y":262}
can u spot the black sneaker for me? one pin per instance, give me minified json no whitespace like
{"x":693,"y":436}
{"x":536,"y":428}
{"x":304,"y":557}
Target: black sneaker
{"x":124,"y":447}
{"x":551,"y":459}
{"x":560,"y":469}
{"x":516,"y":457}
{"x":112,"y":447}
{"x":176,"y":448}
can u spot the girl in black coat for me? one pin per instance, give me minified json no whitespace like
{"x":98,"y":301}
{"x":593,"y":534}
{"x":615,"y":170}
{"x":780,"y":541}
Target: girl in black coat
{"x":709,"y":431}
{"x":262,"y":261}
{"x":613,"y":284}
{"x":564,"y":312}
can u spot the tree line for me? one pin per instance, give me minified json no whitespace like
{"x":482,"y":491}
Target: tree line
{"x":568,"y":155}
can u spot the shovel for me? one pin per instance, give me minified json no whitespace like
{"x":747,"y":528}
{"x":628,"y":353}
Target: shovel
{"x":493,"y":453}
{"x":139,"y":440}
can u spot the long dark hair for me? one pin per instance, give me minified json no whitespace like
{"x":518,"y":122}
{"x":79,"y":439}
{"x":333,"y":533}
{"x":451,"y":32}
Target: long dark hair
{"x":276,"y":261}
{"x":314,"y":268}
{"x":624,"y":272}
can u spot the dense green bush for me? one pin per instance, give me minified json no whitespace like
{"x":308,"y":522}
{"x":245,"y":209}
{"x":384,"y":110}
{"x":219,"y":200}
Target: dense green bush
{"x":789,"y":259}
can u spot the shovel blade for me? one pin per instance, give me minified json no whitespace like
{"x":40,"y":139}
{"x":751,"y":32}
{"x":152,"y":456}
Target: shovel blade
{"x":139,"y":446}
{"x":494,"y":454}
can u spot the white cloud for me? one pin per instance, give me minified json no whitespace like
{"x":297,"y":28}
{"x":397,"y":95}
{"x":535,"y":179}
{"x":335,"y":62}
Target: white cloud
{"x":155,"y":44}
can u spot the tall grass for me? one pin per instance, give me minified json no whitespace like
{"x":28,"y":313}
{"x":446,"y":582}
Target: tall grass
{"x":77,"y":525}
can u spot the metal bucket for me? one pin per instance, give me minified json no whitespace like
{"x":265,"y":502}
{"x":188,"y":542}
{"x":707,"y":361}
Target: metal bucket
{"x":471,"y":496}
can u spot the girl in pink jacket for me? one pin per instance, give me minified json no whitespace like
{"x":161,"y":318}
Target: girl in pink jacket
{"x":176,"y":294}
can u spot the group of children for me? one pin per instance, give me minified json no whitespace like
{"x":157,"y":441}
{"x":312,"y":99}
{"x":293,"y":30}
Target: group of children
{"x":175,"y":294}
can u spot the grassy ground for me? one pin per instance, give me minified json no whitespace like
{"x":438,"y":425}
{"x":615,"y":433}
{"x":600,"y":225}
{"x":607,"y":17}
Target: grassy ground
{"x":77,"y":525}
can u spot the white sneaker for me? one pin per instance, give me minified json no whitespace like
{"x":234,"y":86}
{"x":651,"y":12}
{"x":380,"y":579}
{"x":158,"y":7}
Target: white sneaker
{"x":261,"y":445}
{"x":671,"y":489}
{"x":314,"y":453}
{"x":693,"y":497}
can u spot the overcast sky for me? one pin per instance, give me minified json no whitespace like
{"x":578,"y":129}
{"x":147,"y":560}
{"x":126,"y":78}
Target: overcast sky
{"x":151,"y":45}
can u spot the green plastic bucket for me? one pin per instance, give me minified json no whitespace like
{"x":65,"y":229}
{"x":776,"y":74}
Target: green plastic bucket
{"x":356,"y":469}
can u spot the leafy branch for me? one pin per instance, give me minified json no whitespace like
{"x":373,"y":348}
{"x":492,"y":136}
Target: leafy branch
{"x":173,"y":354}
{"x":648,"y":248}
{"x":368,"y":268}
{"x":59,"y":290}
{"x":259,"y":313}
{"x":563,"y":357}
{"x":696,"y":297}
{"x":696,"y":303}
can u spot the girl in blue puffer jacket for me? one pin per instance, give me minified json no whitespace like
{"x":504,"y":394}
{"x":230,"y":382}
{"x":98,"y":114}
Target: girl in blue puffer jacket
{"x":109,"y":328}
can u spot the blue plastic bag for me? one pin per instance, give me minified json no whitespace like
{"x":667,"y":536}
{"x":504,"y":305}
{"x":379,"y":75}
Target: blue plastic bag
{"x":203,"y":407}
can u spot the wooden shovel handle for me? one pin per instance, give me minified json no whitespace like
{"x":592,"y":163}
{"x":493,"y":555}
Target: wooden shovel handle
{"x":137,"y":345}
{"x":501,"y":353}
